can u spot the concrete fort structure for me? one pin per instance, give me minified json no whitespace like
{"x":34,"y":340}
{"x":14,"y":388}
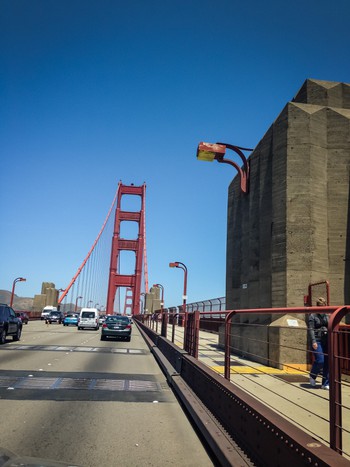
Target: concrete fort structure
{"x":292,"y":228}
{"x":48,"y":296}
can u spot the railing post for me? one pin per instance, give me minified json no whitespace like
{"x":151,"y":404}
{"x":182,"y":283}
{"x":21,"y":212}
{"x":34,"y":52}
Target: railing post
{"x":173,"y":328}
{"x":191,"y":336}
{"x":228,"y":345}
{"x":164,"y":327}
{"x":335,"y":399}
{"x":196,"y":332}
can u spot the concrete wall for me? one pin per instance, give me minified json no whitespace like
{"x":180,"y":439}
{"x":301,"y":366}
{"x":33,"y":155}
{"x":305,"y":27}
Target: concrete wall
{"x":152,"y":300}
{"x":48,"y":296}
{"x":293,"y":227}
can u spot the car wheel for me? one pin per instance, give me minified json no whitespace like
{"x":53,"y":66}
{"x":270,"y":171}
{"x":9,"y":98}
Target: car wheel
{"x":79,"y":328}
{"x":128,"y":339}
{"x":103,"y":338}
{"x":3,"y":337}
{"x":17,"y":336}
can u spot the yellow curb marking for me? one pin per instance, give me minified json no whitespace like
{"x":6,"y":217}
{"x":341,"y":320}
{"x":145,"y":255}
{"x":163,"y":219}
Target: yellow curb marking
{"x":258,"y":370}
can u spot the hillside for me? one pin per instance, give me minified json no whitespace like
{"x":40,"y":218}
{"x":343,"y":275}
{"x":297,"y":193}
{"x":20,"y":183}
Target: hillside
{"x":19,"y":303}
{"x":26,"y":303}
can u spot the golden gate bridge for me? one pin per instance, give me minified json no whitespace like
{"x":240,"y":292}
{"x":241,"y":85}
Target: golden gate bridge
{"x":100,"y":280}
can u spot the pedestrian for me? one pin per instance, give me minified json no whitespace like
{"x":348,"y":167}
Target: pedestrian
{"x":318,"y":332}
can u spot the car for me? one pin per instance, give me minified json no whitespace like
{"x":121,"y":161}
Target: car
{"x":89,"y":318}
{"x":46,"y":311}
{"x":10,"y":324}
{"x":23,"y":316}
{"x":101,"y":319}
{"x":54,"y":317}
{"x":71,"y":318}
{"x":116,"y":326}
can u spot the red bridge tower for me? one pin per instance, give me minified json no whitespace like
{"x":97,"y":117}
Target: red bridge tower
{"x":132,"y":282}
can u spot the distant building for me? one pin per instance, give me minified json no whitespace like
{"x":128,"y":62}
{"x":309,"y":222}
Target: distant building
{"x":48,"y":296}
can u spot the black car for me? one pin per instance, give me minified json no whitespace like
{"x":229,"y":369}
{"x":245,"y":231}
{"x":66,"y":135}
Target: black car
{"x":55,"y":317}
{"x":116,"y":326}
{"x":10,"y":324}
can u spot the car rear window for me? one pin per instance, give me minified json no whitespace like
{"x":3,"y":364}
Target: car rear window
{"x":88,"y":314}
{"x":118,"y":319}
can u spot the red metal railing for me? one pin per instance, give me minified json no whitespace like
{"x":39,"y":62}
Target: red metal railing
{"x":222,"y":350}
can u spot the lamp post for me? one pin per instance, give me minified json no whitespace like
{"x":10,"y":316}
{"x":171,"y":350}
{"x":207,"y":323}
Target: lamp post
{"x":18,"y":279}
{"x":76,"y":302}
{"x":162,"y":296}
{"x":177,"y":264}
{"x":96,"y":305}
{"x":88,"y":303}
{"x":209,"y":151}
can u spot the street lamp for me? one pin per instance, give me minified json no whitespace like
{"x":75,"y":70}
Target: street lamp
{"x":88,"y":303}
{"x":162,"y":297}
{"x":209,"y":151}
{"x":76,"y":303}
{"x":18,"y":279}
{"x":177,"y":264}
{"x":96,"y":305}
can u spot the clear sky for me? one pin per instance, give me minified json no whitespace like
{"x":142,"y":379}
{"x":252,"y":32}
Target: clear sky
{"x":97,"y":91}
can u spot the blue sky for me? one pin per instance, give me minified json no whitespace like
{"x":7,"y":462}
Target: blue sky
{"x":93,"y":92}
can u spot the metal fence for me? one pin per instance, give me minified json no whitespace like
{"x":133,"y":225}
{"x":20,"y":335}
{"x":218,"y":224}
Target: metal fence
{"x":263,"y":366}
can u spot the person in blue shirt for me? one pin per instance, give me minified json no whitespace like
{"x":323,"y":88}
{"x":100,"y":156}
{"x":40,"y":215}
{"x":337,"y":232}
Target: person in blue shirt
{"x":318,"y":333}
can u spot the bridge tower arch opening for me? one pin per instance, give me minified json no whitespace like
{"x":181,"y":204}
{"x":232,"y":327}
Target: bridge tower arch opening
{"x":132,"y":281}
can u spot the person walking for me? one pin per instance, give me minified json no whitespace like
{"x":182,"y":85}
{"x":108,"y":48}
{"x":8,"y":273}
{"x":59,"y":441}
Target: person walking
{"x":318,"y":332}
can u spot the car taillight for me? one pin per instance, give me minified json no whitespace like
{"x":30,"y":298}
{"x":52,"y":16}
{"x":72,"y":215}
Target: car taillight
{"x":104,"y":325}
{"x":128,"y":326}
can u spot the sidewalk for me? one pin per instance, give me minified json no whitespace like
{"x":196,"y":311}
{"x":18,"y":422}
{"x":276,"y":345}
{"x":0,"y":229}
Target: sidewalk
{"x":287,"y":392}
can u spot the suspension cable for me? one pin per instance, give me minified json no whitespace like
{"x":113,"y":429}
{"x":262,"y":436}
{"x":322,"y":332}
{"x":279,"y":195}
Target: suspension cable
{"x":91,"y":249}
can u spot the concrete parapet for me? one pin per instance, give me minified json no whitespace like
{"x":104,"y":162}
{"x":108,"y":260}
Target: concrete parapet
{"x":287,"y":337}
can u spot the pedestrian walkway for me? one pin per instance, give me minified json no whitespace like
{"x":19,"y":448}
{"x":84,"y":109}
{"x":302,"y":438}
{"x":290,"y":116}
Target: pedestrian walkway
{"x":286,"y":391}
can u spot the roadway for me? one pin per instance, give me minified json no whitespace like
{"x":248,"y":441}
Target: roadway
{"x":66,"y":395}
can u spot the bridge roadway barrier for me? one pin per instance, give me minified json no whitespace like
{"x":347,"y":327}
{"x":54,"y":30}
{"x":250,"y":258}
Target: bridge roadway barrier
{"x":271,"y":415}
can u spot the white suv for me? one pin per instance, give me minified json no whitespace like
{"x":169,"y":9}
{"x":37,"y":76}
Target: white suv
{"x":89,"y":318}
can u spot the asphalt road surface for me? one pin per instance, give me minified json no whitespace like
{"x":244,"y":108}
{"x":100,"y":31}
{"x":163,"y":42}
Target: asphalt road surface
{"x":68,"y":396}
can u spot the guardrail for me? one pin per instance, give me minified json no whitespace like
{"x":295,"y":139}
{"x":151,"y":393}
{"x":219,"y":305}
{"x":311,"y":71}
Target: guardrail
{"x":228,"y":351}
